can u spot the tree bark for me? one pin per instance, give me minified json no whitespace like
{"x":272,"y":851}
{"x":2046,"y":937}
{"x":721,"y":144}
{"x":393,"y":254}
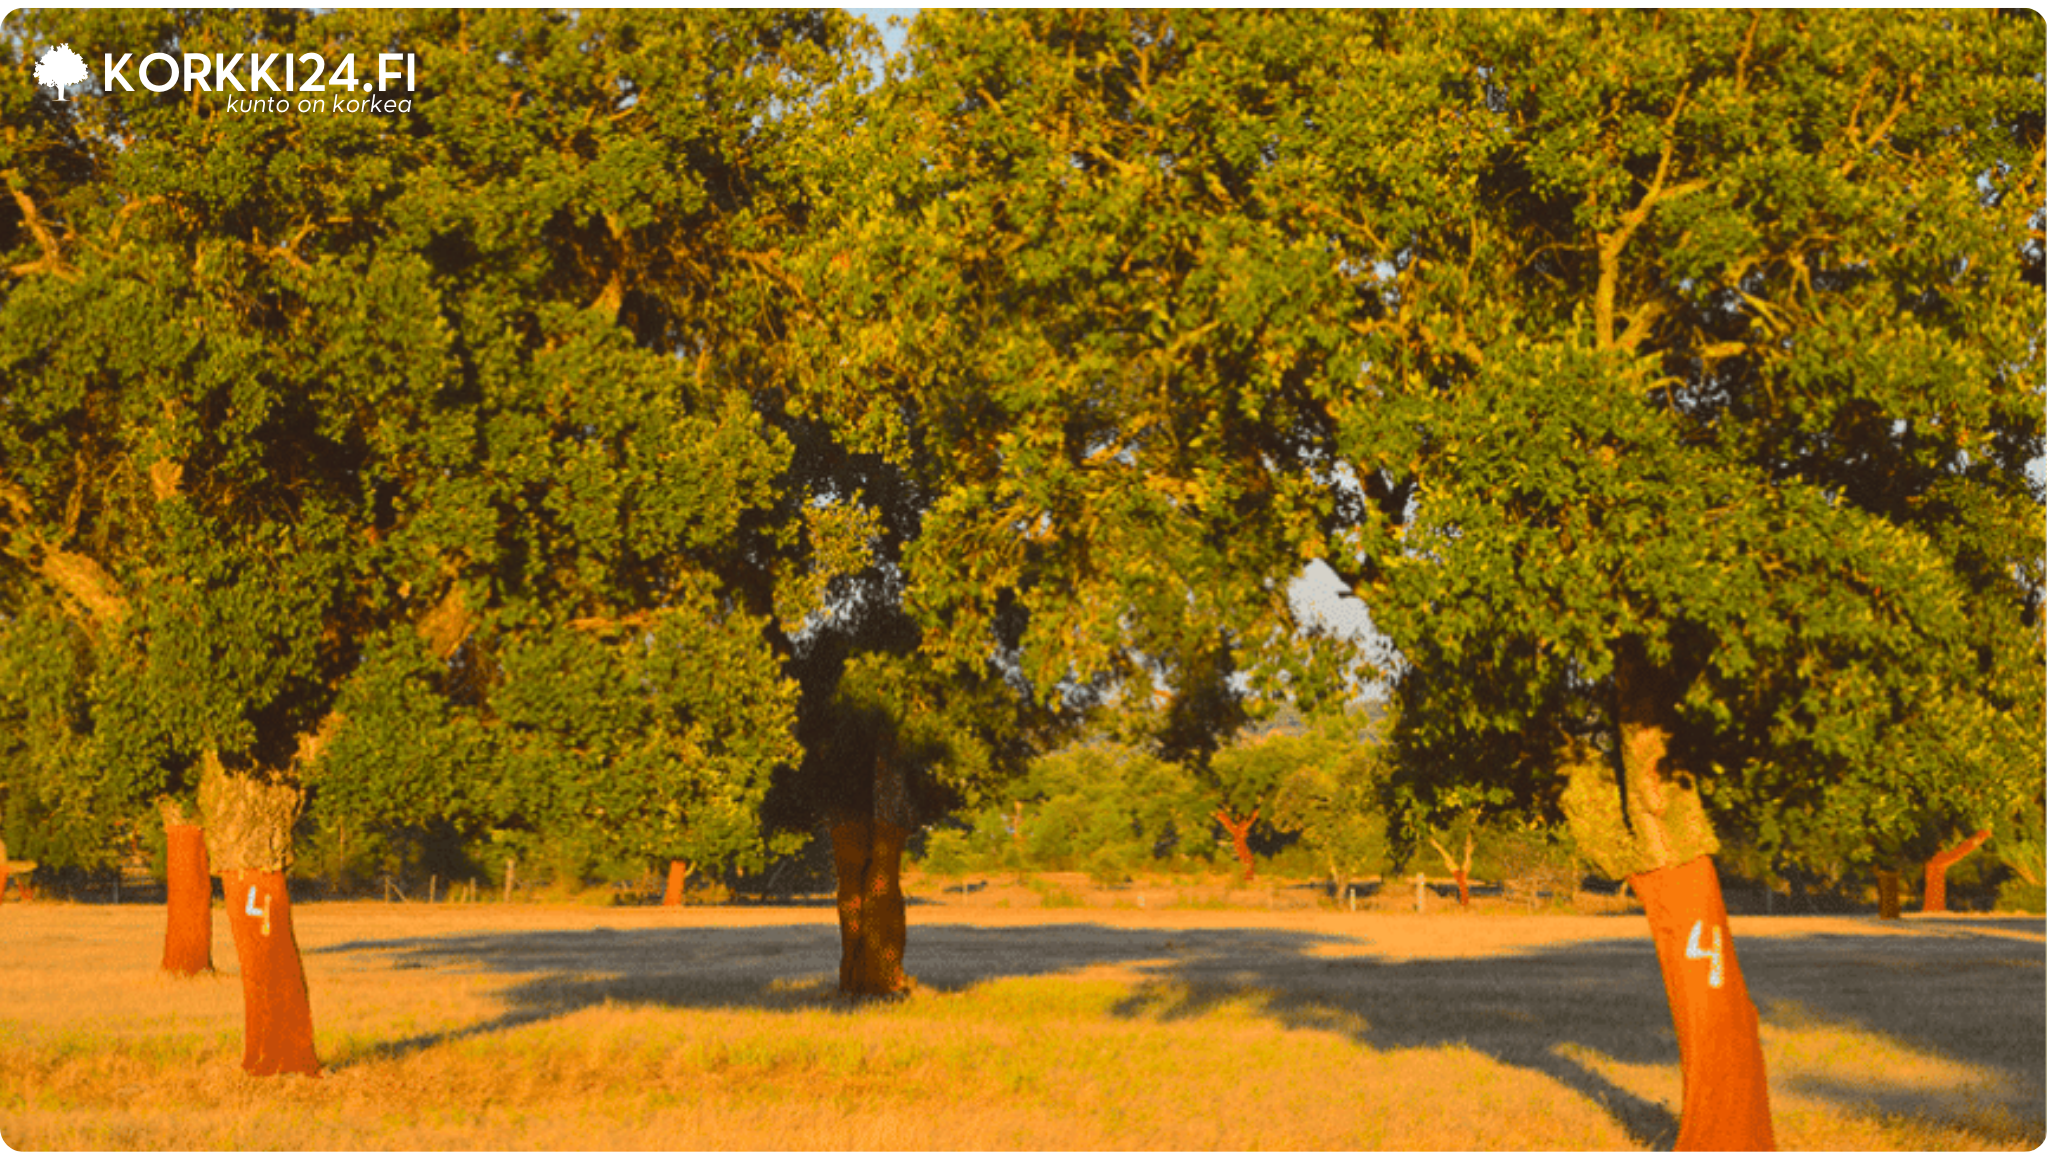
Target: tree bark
{"x":1934,"y":895}
{"x":248,"y":816}
{"x":188,"y":898}
{"x":1240,"y":838}
{"x":277,"y":1033}
{"x":678,"y":871}
{"x":1460,"y":872}
{"x":867,"y":854}
{"x":867,"y":857}
{"x":1726,"y":1102}
{"x":1650,"y":827}
{"x":1887,"y":894}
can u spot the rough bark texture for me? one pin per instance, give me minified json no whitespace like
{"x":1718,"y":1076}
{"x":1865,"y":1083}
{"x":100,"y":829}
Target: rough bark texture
{"x":277,"y":1016}
{"x":188,"y":901}
{"x":1241,"y":839}
{"x":677,"y":872}
{"x":1650,"y":827}
{"x":249,"y":818}
{"x":1934,"y":895}
{"x":867,"y":857}
{"x":1726,"y":1101}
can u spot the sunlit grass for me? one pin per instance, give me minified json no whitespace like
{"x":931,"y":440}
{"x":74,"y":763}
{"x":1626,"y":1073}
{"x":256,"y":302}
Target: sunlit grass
{"x":98,"y":1051}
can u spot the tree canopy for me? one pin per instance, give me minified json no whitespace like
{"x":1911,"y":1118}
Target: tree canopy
{"x":1665,"y":384}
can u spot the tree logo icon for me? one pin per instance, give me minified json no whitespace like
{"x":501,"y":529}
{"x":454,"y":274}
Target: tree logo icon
{"x":59,"y":67}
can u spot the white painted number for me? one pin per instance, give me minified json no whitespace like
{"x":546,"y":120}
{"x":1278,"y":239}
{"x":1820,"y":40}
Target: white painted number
{"x":249,"y":906}
{"x":1713,"y":955}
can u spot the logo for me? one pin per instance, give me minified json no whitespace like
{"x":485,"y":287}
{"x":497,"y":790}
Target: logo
{"x":308,"y":83}
{"x":59,"y":68}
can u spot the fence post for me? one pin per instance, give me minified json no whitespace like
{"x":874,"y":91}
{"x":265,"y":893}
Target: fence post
{"x":508,"y":881}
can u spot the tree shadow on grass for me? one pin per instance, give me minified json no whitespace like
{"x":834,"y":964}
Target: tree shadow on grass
{"x":1950,"y":990}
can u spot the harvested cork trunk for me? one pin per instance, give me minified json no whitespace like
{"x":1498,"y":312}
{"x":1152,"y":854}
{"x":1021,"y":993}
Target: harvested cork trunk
{"x":188,"y":903}
{"x":249,"y":817}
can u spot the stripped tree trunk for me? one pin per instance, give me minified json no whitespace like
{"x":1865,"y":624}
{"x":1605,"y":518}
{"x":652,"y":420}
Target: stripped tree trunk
{"x":1650,"y":827}
{"x":277,"y":1032}
{"x":1934,"y":895}
{"x":678,"y":871}
{"x":188,"y":895}
{"x":249,"y":817}
{"x":1240,"y":838}
{"x":867,"y":855}
{"x":1459,"y":871}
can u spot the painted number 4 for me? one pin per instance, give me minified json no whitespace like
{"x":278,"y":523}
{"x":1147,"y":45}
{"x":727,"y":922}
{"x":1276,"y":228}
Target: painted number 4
{"x":1711,"y":955}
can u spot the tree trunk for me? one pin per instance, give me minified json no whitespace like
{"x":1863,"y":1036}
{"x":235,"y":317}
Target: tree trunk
{"x":1240,"y":838}
{"x":1887,"y":894}
{"x":1934,"y":896}
{"x":248,"y":816}
{"x":867,"y":856}
{"x":188,"y":899}
{"x":1726,"y":1102}
{"x":1650,"y":827}
{"x":277,"y":1033}
{"x":1460,"y":872}
{"x":678,"y":871}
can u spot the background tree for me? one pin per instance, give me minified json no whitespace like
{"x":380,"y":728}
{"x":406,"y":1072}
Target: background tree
{"x":1337,"y":797}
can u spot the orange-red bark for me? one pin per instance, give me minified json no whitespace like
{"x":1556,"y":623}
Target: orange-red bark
{"x":1240,"y":838}
{"x":188,"y":902}
{"x":867,"y":856}
{"x":1464,"y":888}
{"x":677,"y":873}
{"x":1934,"y":894}
{"x":1726,"y":1103}
{"x":277,"y":1019}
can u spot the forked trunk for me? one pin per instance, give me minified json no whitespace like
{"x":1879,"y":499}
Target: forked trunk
{"x":678,"y":871}
{"x":1240,"y":838}
{"x":188,"y":897}
{"x":1461,"y":871}
{"x":249,"y":817}
{"x":277,"y":1034}
{"x":1934,"y":896}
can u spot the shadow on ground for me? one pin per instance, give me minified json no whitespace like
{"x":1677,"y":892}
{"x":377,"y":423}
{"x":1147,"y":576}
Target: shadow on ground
{"x":1946,"y":988}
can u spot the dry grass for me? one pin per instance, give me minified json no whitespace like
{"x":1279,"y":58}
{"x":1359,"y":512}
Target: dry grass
{"x":479,"y":1026}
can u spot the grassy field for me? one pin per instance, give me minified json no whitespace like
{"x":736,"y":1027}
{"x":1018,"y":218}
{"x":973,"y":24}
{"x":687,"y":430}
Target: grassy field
{"x":464,"y":1026}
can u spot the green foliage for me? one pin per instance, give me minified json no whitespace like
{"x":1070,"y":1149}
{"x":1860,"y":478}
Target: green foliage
{"x":1108,"y":810}
{"x":350,"y":432}
{"x":1335,"y":795}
